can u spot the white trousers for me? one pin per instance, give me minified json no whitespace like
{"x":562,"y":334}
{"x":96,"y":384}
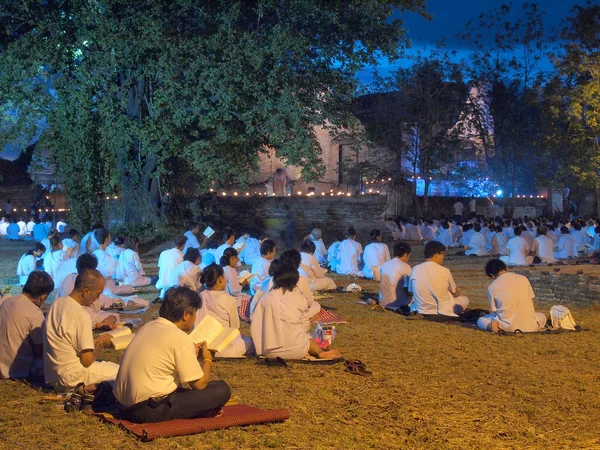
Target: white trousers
{"x":240,"y":346}
{"x":98,"y":372}
{"x":485,"y":321}
{"x":324,"y":284}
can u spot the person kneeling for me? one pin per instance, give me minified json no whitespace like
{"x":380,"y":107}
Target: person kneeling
{"x":160,"y":377}
{"x":511,"y":302}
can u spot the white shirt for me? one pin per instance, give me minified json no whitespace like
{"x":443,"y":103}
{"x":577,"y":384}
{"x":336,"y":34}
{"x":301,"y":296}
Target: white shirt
{"x":333,"y":256}
{"x":107,"y":265}
{"x":528,"y":236}
{"x":309,"y":266}
{"x":233,"y":285}
{"x":251,"y":251}
{"x":261,"y":269}
{"x":498,"y":244}
{"x":21,"y":324}
{"x":428,"y":232}
{"x":27,"y":264}
{"x":68,"y":244}
{"x":30,"y":226}
{"x":192,"y":241}
{"x":432,"y":286}
{"x":349,"y":252}
{"x":394,"y":278}
{"x":167,"y":261}
{"x":375,"y":255}
{"x":517,"y":250}
{"x":444,"y":236}
{"x":511,"y":298}
{"x":130,"y":267}
{"x":159,"y":359}
{"x":413,"y":233}
{"x":22,"y":228}
{"x":3,"y":227}
{"x":566,"y":247}
{"x":68,"y":332}
{"x":544,"y":248}
{"x":458,"y":208}
{"x":186,"y":274}
{"x":477,"y":245}
{"x":223,"y":307}
{"x":88,"y":243}
{"x":55,"y":260}
{"x":220,"y":250}
{"x":114,"y":250}
{"x":320,"y":251}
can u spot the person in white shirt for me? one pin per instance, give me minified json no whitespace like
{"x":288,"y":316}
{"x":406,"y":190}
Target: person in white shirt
{"x":517,"y":250}
{"x":167,"y":261}
{"x":433,"y":287}
{"x":310,"y":268}
{"x":70,"y":244}
{"x":595,"y":241}
{"x":444,"y":235}
{"x":28,"y":262}
{"x":3,"y":226}
{"x":192,"y":237}
{"x":55,"y":258}
{"x":261,"y":265}
{"x":395,"y":273}
{"x":552,"y":234}
{"x":511,"y":302}
{"x":251,"y":248}
{"x":350,"y":255}
{"x":188,"y":272}
{"x":468,"y":231}
{"x":458,"y":208}
{"x":579,"y":236}
{"x":116,"y":247}
{"x":160,"y":378}
{"x":477,"y":243}
{"x":333,"y":254}
{"x":224,"y":307}
{"x":472,"y":206}
{"x":277,"y":326}
{"x":566,"y":247}
{"x":428,"y":231}
{"x":413,"y":232}
{"x":542,"y":246}
{"x":21,"y":322}
{"x":88,"y":243}
{"x":498,"y":242}
{"x":229,"y":262}
{"x":107,"y":265}
{"x":457,"y":233}
{"x":70,"y":350}
{"x":130,"y":269}
{"x":228,"y":239}
{"x":375,"y":255}
{"x":527,"y":234}
{"x":320,"y":250}
{"x":22,"y":227}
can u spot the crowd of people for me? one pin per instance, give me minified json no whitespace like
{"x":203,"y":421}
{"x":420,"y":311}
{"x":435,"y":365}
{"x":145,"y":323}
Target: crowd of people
{"x":164,"y":375}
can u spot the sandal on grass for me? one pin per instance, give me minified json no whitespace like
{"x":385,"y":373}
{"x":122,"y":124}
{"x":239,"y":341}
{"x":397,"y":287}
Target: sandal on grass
{"x":73,"y":404}
{"x":356,"y":368}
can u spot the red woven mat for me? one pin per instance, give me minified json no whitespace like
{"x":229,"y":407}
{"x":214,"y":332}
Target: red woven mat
{"x":325,"y":316}
{"x":245,"y":310}
{"x":234,"y":415}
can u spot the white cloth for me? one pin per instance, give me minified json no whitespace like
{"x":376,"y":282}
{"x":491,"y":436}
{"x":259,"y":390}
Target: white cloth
{"x":107,"y":265}
{"x":68,"y":246}
{"x":167,"y":262}
{"x":566,"y":247}
{"x":114,"y":250}
{"x":26,"y":265}
{"x":477,"y":245}
{"x":413,"y":233}
{"x":278,"y":325}
{"x":233,"y":285}
{"x":54,"y":262}
{"x":511,"y":302}
{"x":498,"y":244}
{"x":458,"y":208}
{"x":444,"y":236}
{"x":3,"y":227}
{"x":220,"y":250}
{"x":544,"y":249}
{"x":349,"y":252}
{"x":21,"y":324}
{"x":528,"y":236}
{"x":22,"y":228}
{"x":261,"y":269}
{"x":320,"y":251}
{"x":310,"y":268}
{"x":251,"y":251}
{"x":333,"y":256}
{"x":394,"y":278}
{"x":428,"y":232}
{"x":186,"y":274}
{"x":130,"y":269}
{"x":31,"y":224}
{"x":376,"y":254}
{"x":60,"y":226}
{"x":67,"y":333}
{"x":157,"y":361}
{"x":518,"y":252}
{"x":88,"y":243}
{"x":192,"y":241}
{"x":432,"y":286}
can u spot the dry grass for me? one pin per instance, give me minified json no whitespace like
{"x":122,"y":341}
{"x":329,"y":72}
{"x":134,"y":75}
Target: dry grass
{"x":433,"y":386}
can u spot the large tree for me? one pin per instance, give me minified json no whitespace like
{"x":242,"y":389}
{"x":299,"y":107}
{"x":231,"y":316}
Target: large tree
{"x":135,"y":84}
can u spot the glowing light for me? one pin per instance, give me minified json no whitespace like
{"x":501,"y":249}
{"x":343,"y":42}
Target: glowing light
{"x":299,"y":192}
{"x":224,"y":194}
{"x":235,"y":193}
{"x":499,"y":192}
{"x":389,"y":179}
{"x":107,"y":198}
{"x":211,"y":189}
{"x":322,"y":193}
{"x":531,"y":196}
{"x":348,"y":194}
{"x":370,"y":190}
{"x":247,"y":194}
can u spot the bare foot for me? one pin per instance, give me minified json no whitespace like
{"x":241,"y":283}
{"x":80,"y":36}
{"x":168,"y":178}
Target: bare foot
{"x":333,"y":353}
{"x":495,"y":326}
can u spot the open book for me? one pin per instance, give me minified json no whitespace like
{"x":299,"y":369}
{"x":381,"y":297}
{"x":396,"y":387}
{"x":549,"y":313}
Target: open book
{"x":121,"y":337}
{"x":208,"y":232}
{"x":245,"y":275}
{"x":216,"y":336}
{"x":239,"y":246}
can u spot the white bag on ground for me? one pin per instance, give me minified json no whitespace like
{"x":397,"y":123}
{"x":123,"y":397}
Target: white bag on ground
{"x":561,"y":318}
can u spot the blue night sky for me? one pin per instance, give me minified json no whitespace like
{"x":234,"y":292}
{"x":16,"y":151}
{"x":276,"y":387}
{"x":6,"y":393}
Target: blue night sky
{"x":450,"y":16}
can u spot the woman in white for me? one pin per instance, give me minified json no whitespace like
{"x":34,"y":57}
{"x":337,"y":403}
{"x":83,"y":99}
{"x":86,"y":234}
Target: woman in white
{"x":130,"y":269}
{"x":310,"y":268}
{"x":320,"y":250}
{"x":188,"y":272}
{"x":517,"y":250}
{"x":350,"y":255}
{"x":70,"y":244}
{"x":116,"y":247}
{"x":223,"y":307}
{"x":28,"y":262}
{"x":55,"y":258}
{"x":542,"y":245}
{"x":477,"y":243}
{"x":229,"y":262}
{"x":566,"y":247}
{"x":443,"y":235}
{"x":251,"y":250}
{"x":498,"y":242}
{"x":278,"y":322}
{"x":333,"y":254}
{"x":376,"y":255}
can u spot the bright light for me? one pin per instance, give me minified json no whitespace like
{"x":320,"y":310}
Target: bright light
{"x":499,"y":192}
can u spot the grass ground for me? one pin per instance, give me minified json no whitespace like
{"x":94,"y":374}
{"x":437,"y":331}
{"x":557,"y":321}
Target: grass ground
{"x":433,"y":386}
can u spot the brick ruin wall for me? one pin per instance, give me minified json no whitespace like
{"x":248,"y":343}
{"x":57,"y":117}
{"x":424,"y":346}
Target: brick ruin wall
{"x":564,"y":288}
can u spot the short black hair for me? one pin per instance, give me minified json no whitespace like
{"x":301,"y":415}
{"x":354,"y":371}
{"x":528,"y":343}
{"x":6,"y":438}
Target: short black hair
{"x":101,"y":234}
{"x":191,"y":254}
{"x":401,"y":249}
{"x":292,"y":257}
{"x":433,"y":248}
{"x":267,"y":247}
{"x":192,"y":225}
{"x":54,"y":242}
{"x":350,"y":232}
{"x":131,"y":243}
{"x":308,"y":246}
{"x":227,"y":233}
{"x":518,"y":231}
{"x":211,"y":274}
{"x":477,"y":227}
{"x":542,"y":230}
{"x":564,"y":230}
{"x":85,"y":262}
{"x":73,"y":232}
{"x":177,"y":301}
{"x":494,"y":267}
{"x":38,"y":283}
{"x":229,"y":253}
{"x":374,"y":234}
{"x":38,"y":246}
{"x":180,"y":240}
{"x":285,"y":276}
{"x":118,"y":240}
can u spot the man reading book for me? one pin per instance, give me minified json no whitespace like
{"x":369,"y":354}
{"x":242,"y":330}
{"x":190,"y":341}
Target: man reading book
{"x":160,"y":377}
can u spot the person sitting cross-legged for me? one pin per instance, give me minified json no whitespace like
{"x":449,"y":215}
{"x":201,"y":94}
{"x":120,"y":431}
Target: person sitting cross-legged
{"x":21,"y":323}
{"x":395,"y":274}
{"x":160,"y":377}
{"x":511,"y":302}
{"x":310,"y":268}
{"x":433,"y":288}
{"x":70,"y":350}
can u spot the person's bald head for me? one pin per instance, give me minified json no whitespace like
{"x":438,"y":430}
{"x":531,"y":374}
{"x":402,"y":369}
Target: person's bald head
{"x":88,"y":286}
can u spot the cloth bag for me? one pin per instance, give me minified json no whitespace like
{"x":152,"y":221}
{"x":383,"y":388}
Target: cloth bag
{"x":561,"y":318}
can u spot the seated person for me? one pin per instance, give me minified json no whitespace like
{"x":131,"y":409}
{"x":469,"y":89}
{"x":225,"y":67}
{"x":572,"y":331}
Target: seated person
{"x":70,"y":350}
{"x":188,"y":272}
{"x":433,"y":288}
{"x":277,"y":324}
{"x":21,"y":322}
{"x":160,"y":377}
{"x":320,"y":250}
{"x":130,"y":269}
{"x":167,"y":262}
{"x":12,"y":231}
{"x":542,"y":245}
{"x":107,"y":264}
{"x":350,"y":255}
{"x":310,"y":268}
{"x":595,"y":241}
{"x":55,"y":258}
{"x":223,"y":307}
{"x":40,"y":232}
{"x":393,"y":289}
{"x":251,"y":251}
{"x":228,"y":239}
{"x":70,"y":244}
{"x":22,"y":227}
{"x":229,"y":262}
{"x":413,"y":232}
{"x":444,"y":235}
{"x":192,"y":237}
{"x":333,"y":256}
{"x":261,"y":265}
{"x":566,"y":246}
{"x":498,"y":242}
{"x":477,"y":243}
{"x":293,"y":258}
{"x":88,"y":242}
{"x":517,"y":250}
{"x":375,"y":255}
{"x":511,"y":302}
{"x":28,"y":262}
{"x":116,"y":247}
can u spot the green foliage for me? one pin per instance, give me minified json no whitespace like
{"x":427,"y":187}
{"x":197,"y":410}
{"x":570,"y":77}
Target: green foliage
{"x":136,"y":83}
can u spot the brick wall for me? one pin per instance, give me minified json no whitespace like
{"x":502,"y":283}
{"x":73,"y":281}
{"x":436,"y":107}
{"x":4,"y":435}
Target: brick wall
{"x":559,"y":288}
